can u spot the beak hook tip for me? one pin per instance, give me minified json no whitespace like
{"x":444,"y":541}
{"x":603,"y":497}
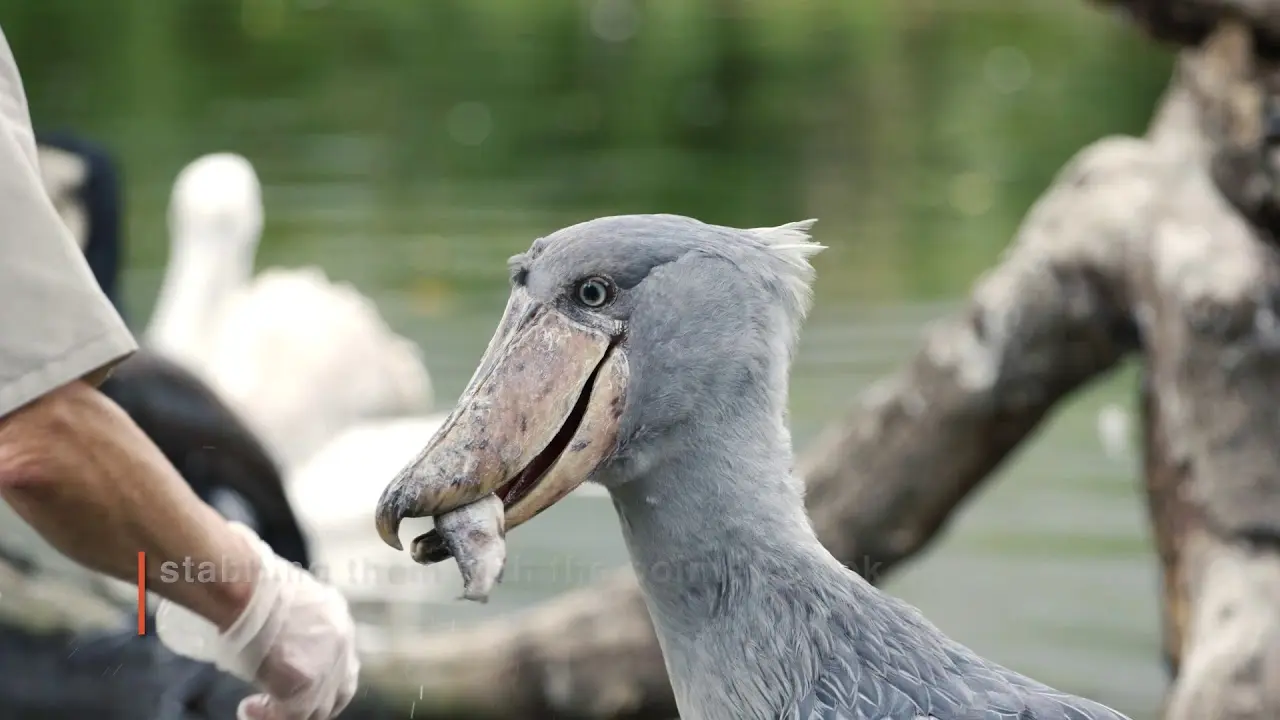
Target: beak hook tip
{"x":390,"y":536}
{"x":388,"y":523}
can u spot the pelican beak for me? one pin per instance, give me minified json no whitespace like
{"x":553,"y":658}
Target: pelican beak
{"x":538,"y":417}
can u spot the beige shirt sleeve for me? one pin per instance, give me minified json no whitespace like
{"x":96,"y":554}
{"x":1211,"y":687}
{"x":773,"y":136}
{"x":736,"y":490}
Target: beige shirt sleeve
{"x":56,"y":324}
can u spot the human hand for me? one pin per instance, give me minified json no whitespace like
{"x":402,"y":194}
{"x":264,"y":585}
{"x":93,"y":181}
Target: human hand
{"x":295,"y":640}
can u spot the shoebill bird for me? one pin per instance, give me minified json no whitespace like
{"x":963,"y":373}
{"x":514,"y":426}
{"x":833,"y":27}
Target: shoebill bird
{"x":650,"y":354}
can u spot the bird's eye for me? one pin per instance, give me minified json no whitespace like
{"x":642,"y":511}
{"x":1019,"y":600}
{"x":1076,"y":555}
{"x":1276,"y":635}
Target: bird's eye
{"x":594,"y":292}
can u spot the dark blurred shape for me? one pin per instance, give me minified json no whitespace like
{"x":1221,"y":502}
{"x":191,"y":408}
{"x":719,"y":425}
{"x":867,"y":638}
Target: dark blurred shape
{"x":100,"y":200}
{"x":1184,"y":23}
{"x":107,"y":676}
{"x":1189,"y":22}
{"x":217,"y":454}
{"x":121,"y":676}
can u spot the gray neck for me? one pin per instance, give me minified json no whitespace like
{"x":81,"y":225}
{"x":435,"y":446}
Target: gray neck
{"x":727,"y":560}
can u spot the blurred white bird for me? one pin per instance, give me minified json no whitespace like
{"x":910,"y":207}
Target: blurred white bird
{"x":299,"y":356}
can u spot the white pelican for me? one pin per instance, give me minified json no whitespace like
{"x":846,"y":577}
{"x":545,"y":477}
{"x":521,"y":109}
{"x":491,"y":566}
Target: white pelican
{"x":299,"y":356}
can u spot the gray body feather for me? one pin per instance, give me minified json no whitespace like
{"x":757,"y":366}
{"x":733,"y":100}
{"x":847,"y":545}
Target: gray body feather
{"x":911,"y":678}
{"x":755,"y":618}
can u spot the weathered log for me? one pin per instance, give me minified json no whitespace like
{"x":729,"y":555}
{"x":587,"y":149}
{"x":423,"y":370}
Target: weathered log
{"x":1207,"y":292}
{"x":1159,"y":244}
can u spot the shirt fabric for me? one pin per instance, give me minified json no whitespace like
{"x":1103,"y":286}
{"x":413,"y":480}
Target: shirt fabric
{"x":56,"y":323}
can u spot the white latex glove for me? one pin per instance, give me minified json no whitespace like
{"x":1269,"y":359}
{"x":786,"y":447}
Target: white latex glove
{"x":295,"y":640}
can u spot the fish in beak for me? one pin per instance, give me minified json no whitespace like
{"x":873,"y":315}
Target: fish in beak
{"x":538,"y":417}
{"x":475,"y":535}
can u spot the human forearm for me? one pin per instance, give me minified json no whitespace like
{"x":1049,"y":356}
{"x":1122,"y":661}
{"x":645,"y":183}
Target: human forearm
{"x":75,"y":454}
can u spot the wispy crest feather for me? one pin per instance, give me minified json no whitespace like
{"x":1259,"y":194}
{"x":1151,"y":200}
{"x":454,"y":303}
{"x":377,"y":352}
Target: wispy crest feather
{"x":793,"y":245}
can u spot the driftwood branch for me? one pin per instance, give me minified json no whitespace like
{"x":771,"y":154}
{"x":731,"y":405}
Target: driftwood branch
{"x":1208,"y":291}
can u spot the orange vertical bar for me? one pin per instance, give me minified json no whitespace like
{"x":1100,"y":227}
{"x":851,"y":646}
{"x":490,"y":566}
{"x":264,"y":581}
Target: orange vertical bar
{"x":142,"y":593}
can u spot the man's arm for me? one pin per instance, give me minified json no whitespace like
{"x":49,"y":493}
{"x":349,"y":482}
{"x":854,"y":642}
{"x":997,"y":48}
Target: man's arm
{"x":76,"y":468}
{"x":72,"y":463}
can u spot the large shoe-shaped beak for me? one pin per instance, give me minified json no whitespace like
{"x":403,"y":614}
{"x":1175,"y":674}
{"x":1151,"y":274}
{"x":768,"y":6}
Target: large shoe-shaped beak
{"x":538,"y":417}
